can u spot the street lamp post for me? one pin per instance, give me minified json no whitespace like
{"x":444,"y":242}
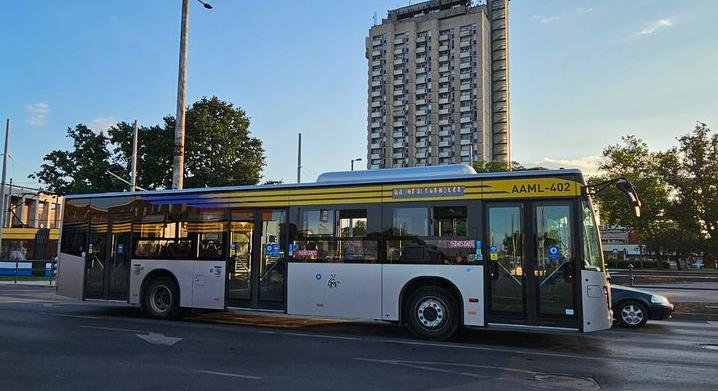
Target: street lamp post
{"x":355,"y":160}
{"x":178,"y":162}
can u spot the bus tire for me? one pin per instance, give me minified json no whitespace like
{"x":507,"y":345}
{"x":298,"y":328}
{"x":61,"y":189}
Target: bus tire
{"x":432,"y":313}
{"x":161,"y":298}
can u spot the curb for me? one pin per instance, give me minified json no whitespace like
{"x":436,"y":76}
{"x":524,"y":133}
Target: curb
{"x":45,"y":284}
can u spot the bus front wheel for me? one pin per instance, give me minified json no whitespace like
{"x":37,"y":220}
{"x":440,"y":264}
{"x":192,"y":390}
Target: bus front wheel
{"x":432,"y":313}
{"x":161,"y":299}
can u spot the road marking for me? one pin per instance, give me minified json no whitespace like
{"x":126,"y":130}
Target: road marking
{"x":228,"y":374}
{"x":113,"y":329}
{"x":463,"y":365}
{"x":72,"y":316}
{"x":147,"y":336}
{"x":159,"y":339}
{"x":313,"y":335}
{"x":579,"y":381}
{"x":417,"y":365}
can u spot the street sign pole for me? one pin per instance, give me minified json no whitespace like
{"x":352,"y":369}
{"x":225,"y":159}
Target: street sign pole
{"x":2,"y":184}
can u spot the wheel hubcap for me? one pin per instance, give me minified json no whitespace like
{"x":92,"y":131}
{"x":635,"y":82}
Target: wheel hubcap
{"x":161,"y":298}
{"x":431,"y":312}
{"x":632,"y":314}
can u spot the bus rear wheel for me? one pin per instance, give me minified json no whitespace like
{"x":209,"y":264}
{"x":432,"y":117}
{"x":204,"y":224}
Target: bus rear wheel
{"x":432,"y":313}
{"x":161,"y":299}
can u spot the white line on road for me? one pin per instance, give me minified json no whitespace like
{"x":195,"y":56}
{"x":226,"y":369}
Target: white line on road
{"x":228,"y":374}
{"x":71,"y":316}
{"x":418,"y":365}
{"x":312,"y":335}
{"x":113,"y":329}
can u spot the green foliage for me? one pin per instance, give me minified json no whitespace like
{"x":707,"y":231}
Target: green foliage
{"x":219,"y":151}
{"x":691,"y":171}
{"x":154,"y":153}
{"x":678,"y":190}
{"x":82,"y":170}
{"x":500,"y":166}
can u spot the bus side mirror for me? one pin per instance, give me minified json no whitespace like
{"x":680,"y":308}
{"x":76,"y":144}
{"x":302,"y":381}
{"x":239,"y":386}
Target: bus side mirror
{"x":627,"y":188}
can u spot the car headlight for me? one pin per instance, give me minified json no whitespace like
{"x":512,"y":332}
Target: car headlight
{"x":659,"y":299}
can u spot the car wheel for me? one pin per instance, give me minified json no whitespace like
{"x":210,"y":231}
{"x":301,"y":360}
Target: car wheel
{"x":631,"y":314}
{"x":161,"y":299}
{"x":432,"y":313}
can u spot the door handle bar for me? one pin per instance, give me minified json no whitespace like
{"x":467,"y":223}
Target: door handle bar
{"x":509,"y":273}
{"x":552,"y":273}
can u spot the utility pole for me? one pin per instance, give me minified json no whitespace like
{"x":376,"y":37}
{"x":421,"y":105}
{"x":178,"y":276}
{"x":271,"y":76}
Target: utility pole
{"x":178,"y":163}
{"x":299,"y":159}
{"x":133,"y":174}
{"x":2,"y":184}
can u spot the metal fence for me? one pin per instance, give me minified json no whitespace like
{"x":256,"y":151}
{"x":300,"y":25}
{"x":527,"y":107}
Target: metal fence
{"x":29,"y":270}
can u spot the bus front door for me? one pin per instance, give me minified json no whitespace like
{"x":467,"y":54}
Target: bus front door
{"x":531,"y":264}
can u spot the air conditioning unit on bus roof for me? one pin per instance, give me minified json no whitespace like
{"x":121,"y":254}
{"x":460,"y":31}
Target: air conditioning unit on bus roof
{"x":426,"y":172}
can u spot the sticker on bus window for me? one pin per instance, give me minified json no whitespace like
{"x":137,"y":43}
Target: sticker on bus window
{"x":493,"y":253}
{"x":554,"y":253}
{"x":272,"y":249}
{"x":479,"y":256}
{"x":461,"y":244}
{"x":569,"y":311}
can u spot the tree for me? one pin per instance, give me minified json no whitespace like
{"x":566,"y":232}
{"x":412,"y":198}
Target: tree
{"x":657,"y":229}
{"x":482,"y":166}
{"x":82,"y":170}
{"x":154,"y":151}
{"x":219,"y":151}
{"x":691,"y":171}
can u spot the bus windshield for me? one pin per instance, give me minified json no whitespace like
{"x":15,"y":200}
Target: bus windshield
{"x":593,"y":257}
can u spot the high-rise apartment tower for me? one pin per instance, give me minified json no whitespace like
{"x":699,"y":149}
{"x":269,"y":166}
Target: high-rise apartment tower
{"x":439,"y":85}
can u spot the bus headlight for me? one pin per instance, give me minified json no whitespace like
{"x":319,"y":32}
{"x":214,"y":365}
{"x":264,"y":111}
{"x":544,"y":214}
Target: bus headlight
{"x":659,"y":299}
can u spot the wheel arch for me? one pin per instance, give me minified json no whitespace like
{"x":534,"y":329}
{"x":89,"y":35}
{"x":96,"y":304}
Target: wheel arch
{"x":154,"y":274}
{"x":422,"y":281}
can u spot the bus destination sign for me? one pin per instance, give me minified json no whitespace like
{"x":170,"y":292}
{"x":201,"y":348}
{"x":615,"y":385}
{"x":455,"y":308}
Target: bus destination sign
{"x":428,"y":191}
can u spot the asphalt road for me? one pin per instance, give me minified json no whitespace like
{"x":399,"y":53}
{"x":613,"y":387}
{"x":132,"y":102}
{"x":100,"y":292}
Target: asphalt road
{"x":50,"y":343}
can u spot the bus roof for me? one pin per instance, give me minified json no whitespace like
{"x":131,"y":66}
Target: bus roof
{"x":342,"y":178}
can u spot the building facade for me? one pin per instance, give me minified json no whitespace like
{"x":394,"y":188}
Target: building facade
{"x":31,"y":224}
{"x":438,"y":85}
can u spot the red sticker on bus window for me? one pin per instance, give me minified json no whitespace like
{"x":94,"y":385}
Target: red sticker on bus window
{"x":461,"y":244}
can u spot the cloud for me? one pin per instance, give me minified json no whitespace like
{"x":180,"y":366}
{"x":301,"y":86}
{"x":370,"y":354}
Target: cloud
{"x":657,"y":25}
{"x":584,"y":10}
{"x":37,"y":113}
{"x":545,"y":19}
{"x":587,"y":164}
{"x":101,"y":124}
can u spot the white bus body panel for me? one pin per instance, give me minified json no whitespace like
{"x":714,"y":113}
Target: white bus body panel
{"x":372,"y":291}
{"x":343,"y":290}
{"x":596,"y":312}
{"x":208,"y":285}
{"x":468,"y":279}
{"x":201,"y":283}
{"x":70,"y":276}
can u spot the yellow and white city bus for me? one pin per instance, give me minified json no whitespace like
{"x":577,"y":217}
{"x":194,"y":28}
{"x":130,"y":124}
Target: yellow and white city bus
{"x":435,"y":248}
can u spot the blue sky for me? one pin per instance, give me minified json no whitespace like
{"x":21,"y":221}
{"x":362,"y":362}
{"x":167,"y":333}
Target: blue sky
{"x":583,"y":73}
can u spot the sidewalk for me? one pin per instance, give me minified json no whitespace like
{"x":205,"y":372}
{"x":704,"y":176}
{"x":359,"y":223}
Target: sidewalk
{"x":29,"y":283}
